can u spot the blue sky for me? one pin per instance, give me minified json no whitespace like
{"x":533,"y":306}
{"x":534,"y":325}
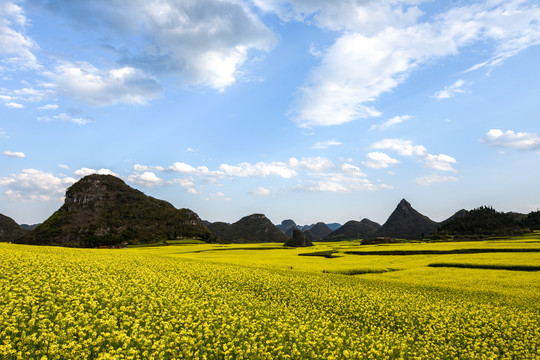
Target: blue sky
{"x":304,"y":109}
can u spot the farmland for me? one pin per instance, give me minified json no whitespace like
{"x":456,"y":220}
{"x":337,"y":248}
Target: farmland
{"x":200,"y":301}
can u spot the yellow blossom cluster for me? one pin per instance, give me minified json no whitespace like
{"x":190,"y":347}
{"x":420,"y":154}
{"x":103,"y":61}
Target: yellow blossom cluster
{"x":59,"y":303}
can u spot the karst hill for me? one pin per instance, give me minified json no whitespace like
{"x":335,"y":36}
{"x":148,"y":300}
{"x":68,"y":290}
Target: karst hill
{"x":406,"y":223}
{"x":9,"y":229}
{"x":256,"y":228}
{"x":101,"y":210}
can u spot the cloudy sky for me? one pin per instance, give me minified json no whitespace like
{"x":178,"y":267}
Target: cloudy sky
{"x":306,"y":109}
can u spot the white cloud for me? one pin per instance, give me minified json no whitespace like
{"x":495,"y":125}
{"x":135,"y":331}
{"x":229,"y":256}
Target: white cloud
{"x":142,"y":168}
{"x":16,"y":154}
{"x":29,"y":94}
{"x":260,"y":169}
{"x":433,"y":179}
{"x":87,"y":171}
{"x":401,"y":146}
{"x":452,"y":90}
{"x":203,"y":42}
{"x":260,"y":191}
{"x":440,"y":162}
{"x":366,"y":17}
{"x":321,"y":171}
{"x":17,"y":48}
{"x":72,"y":119}
{"x":63,"y":166}
{"x":326,"y":144}
{"x":147,"y":179}
{"x":340,"y":183}
{"x":363,"y":64}
{"x":316,"y":164}
{"x":510,"y":139}
{"x":391,"y":122}
{"x":182,"y":168}
{"x":187,"y":184}
{"x":379,"y":160}
{"x":218,"y":196}
{"x":14,"y":105}
{"x":35,"y":185}
{"x":90,"y":85}
{"x":48,"y":107}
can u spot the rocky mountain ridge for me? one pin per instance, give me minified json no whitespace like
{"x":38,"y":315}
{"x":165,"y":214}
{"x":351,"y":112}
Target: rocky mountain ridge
{"x":101,"y":210}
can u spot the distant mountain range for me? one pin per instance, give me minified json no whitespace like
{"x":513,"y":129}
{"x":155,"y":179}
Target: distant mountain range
{"x":101,"y":210}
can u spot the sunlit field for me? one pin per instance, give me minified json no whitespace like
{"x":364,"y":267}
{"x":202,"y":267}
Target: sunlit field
{"x":199,"y":301}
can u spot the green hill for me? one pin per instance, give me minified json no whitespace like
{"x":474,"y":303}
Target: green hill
{"x":255,"y":228}
{"x":406,"y":223}
{"x":483,"y":221}
{"x":101,"y":210}
{"x":9,"y":229}
{"x":353,"y":230}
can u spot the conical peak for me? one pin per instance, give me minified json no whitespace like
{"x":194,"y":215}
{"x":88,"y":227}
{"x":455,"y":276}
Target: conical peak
{"x":404,"y":204}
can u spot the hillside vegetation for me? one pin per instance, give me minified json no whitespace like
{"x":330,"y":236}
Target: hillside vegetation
{"x":485,"y":221}
{"x":101,"y":210}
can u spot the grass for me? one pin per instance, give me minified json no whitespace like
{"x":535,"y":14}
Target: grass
{"x":329,"y":254}
{"x":488,"y":266}
{"x":441,"y":252}
{"x":358,"y":271}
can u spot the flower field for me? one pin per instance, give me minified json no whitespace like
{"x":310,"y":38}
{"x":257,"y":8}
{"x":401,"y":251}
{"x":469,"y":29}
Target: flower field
{"x":191,"y":302}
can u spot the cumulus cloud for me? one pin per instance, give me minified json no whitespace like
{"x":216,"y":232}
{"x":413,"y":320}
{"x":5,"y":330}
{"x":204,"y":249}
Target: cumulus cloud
{"x":203,"y":42}
{"x":323,"y":174}
{"x":260,"y":169}
{"x":366,"y":17}
{"x":315,"y":164}
{"x":86,"y":83}
{"x":147,"y":179}
{"x":260,"y":191}
{"x":72,"y":119}
{"x":362,"y":64}
{"x":433,"y":179}
{"x":340,"y":183}
{"x":48,"y":107}
{"x":441,"y":162}
{"x":512,"y":140}
{"x":187,"y":184}
{"x":35,"y":185}
{"x":87,"y":171}
{"x":15,"y":98}
{"x":14,"y":105}
{"x":218,"y":196}
{"x":142,"y":168}
{"x":401,"y":146}
{"x":379,"y":160}
{"x":452,"y":90}
{"x":14,"y":154}
{"x":326,"y":144}
{"x":390,"y":122}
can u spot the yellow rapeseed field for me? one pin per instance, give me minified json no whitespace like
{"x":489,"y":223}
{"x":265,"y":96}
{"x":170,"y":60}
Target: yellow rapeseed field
{"x":225,"y":302}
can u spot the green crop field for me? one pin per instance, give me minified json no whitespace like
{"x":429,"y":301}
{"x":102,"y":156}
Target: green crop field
{"x":200,"y":301}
